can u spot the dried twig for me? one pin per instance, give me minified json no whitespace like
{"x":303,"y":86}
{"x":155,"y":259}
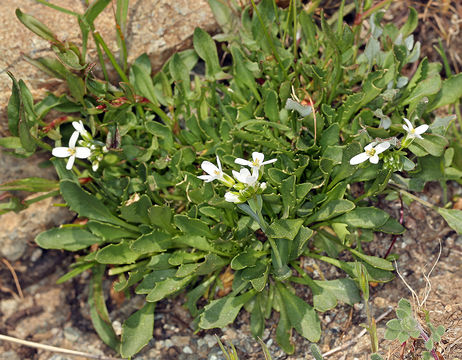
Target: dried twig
{"x":15,"y":277}
{"x":55,"y":349}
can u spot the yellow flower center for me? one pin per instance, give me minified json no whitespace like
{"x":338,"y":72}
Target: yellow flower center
{"x":71,"y":151}
{"x":371,"y":152}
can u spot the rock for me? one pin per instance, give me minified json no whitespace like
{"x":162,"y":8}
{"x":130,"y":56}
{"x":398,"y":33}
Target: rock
{"x":9,"y":355}
{"x":14,"y":168}
{"x":8,"y":307}
{"x":16,"y":230}
{"x":187,"y":350}
{"x":158,"y":28}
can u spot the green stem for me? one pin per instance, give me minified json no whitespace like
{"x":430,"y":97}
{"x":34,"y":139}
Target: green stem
{"x":277,"y":255}
{"x":59,"y":8}
{"x":440,"y":50}
{"x":98,"y":39}
{"x":413,"y":197}
{"x":41,"y":197}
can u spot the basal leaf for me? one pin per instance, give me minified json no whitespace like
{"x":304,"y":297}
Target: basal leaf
{"x":137,"y":330}
{"x":221,"y":312}
{"x":67,"y":238}
{"x":301,"y":315}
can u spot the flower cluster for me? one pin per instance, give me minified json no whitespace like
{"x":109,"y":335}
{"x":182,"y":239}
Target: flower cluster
{"x":374,"y":149}
{"x":89,"y":149}
{"x":245,"y":183}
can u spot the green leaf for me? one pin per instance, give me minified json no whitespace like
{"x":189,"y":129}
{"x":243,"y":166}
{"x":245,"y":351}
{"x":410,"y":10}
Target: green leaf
{"x":67,"y":238}
{"x":27,"y":141}
{"x":156,"y":241}
{"x":36,"y":26}
{"x":180,"y":73}
{"x":192,"y":226}
{"x":453,"y":218}
{"x":345,"y":290}
{"x":137,"y":210}
{"x":222,"y":14}
{"x":207,"y":51}
{"x":161,"y":131}
{"x":431,"y":143}
{"x":161,"y":216}
{"x":109,"y":232}
{"x":137,"y":330}
{"x":167,"y":287}
{"x":331,"y":209}
{"x":94,"y":10}
{"x":33,"y":184}
{"x":285,"y":228}
{"x":364,"y":217}
{"x":117,"y":254}
{"x":450,"y":92}
{"x":221,"y":312}
{"x":316,"y":352}
{"x":98,"y":310}
{"x":14,"y":104}
{"x":374,"y":261}
{"x":87,"y":205}
{"x":284,"y":328}
{"x":76,"y":87}
{"x":411,"y":23}
{"x":143,"y":82}
{"x":74,"y":272}
{"x":242,"y":73}
{"x":301,"y":315}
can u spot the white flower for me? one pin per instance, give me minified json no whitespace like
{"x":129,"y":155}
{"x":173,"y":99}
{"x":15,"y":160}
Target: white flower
{"x":232,"y":197}
{"x":72,"y":151}
{"x":263,"y":186}
{"x":244,"y":176}
{"x":414,"y":133}
{"x":214,"y":173}
{"x":78,"y":126}
{"x":257,"y":162}
{"x":371,"y":153}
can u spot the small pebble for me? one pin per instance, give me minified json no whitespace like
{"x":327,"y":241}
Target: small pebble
{"x":36,"y":255}
{"x":187,"y":350}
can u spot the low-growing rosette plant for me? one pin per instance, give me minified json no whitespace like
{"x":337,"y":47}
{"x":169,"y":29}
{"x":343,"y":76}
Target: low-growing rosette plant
{"x":224,"y":184}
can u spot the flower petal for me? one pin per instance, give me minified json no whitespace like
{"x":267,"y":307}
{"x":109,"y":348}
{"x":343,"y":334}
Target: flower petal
{"x":82,"y":152}
{"x":243,"y":162}
{"x":409,"y":125}
{"x":78,"y":126}
{"x":258,"y":158}
{"x":269,"y":161}
{"x":406,"y":128}
{"x":369,"y":147}
{"x":231,"y":197}
{"x":206,"y":178}
{"x":219,"y":164}
{"x":70,"y":162}
{"x":374,"y":159}
{"x":421,"y":129}
{"x":73,"y":139}
{"x":61,"y":152}
{"x":358,"y":159}
{"x":209,"y":168}
{"x":242,"y":175}
{"x":380,"y":148}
